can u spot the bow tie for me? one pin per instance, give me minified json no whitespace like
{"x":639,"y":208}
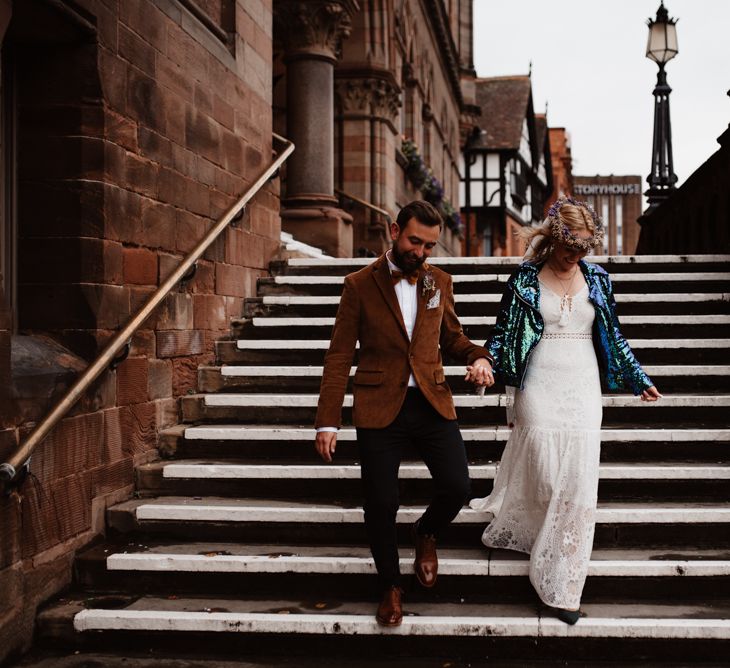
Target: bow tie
{"x":397,"y":275}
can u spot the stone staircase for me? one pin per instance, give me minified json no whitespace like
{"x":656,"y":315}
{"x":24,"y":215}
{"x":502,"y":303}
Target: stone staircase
{"x":241,"y":541}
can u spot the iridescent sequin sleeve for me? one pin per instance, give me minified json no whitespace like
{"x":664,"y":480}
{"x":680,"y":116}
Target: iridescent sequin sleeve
{"x":633,"y":375}
{"x":496,"y":342}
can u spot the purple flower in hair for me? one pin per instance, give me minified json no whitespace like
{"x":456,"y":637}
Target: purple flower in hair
{"x":561,"y":231}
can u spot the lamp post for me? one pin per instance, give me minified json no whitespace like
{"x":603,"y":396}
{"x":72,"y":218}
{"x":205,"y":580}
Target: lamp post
{"x":661,"y":48}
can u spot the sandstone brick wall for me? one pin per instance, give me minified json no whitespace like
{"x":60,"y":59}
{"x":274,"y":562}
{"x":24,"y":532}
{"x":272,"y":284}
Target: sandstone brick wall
{"x":562,"y":162}
{"x":393,"y":82}
{"x":133,"y":138}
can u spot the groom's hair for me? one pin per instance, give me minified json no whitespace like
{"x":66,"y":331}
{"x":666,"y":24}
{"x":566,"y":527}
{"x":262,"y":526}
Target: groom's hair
{"x":422,"y":211}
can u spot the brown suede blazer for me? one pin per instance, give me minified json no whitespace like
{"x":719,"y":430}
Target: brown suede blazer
{"x":369,"y":313}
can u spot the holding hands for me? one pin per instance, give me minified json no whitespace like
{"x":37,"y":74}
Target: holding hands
{"x":480,"y":373}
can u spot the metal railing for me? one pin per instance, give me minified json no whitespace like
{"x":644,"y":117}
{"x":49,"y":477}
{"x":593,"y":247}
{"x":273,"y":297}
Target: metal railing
{"x":366,"y":204}
{"x":122,"y":338}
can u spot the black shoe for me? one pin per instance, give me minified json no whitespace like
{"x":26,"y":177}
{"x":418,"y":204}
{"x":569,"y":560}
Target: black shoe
{"x":567,"y":616}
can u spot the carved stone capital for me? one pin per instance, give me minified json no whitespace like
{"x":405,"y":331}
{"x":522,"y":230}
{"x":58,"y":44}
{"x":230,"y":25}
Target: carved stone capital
{"x":313,"y":28}
{"x":368,"y":95}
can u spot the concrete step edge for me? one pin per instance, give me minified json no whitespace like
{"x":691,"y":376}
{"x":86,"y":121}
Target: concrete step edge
{"x":205,"y":470}
{"x":323,"y":344}
{"x":421,"y":625}
{"x":245,"y":510}
{"x":492,"y":433}
{"x":493,"y":298}
{"x":239,"y":371}
{"x":273,"y":400}
{"x":338,"y":565}
{"x":502,"y":278}
{"x":635,"y":260}
{"x":701,"y":319}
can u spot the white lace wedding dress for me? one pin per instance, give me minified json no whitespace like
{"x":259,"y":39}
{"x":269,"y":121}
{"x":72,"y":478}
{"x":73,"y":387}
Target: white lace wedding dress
{"x":545,"y":492}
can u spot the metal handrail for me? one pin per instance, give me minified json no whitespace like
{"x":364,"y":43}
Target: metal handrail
{"x":9,"y":469}
{"x":365,"y":203}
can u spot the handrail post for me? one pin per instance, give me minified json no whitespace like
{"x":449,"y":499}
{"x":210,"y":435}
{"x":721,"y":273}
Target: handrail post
{"x":366,"y":204}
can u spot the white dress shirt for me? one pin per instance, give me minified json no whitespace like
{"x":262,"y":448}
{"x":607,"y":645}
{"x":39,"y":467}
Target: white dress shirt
{"x":407,"y":294}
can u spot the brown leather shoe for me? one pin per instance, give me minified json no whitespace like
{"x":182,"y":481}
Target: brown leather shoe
{"x":390,"y":610}
{"x":426,"y":564}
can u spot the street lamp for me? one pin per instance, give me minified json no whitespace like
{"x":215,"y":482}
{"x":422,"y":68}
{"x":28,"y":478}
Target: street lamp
{"x":661,"y":48}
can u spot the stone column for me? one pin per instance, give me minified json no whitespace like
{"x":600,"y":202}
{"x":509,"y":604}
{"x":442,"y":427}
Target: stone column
{"x":311,"y":32}
{"x":367,"y":105}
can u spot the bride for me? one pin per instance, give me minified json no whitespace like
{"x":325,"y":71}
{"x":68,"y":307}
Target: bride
{"x":555,"y":335}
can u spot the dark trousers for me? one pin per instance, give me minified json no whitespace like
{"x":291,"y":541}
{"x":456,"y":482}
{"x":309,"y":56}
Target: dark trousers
{"x":441,"y":447}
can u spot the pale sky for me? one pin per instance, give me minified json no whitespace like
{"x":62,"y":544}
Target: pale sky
{"x":589,"y":64}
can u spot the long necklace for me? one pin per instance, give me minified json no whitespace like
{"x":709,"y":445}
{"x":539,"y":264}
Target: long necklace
{"x":566,"y":301}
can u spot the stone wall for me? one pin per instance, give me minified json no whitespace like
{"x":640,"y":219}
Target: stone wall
{"x":398,"y":77}
{"x":562,"y":162}
{"x":138,"y":123}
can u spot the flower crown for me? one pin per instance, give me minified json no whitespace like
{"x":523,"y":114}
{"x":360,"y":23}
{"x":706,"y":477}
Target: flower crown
{"x":561,"y":232}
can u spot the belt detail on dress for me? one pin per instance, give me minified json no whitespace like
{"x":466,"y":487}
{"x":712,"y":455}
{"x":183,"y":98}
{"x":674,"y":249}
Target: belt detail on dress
{"x":568,"y":335}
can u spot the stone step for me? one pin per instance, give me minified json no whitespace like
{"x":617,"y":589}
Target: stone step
{"x":292,"y":248}
{"x":164,"y":617}
{"x":204,"y":470}
{"x":147,"y":567}
{"x":481,"y":305}
{"x":331,"y":626}
{"x":495,"y":283}
{"x":670,"y":378}
{"x":619,"y":524}
{"x":505,"y":265}
{"x":291,"y":443}
{"x":332,"y":560}
{"x":658,"y":297}
{"x":273,"y":657}
{"x":661,"y":481}
{"x":473,"y":434}
{"x":478,"y":328}
{"x":298,"y":352}
{"x":471,"y":409}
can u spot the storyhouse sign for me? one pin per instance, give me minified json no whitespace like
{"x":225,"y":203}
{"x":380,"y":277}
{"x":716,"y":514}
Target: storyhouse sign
{"x":607,"y":189}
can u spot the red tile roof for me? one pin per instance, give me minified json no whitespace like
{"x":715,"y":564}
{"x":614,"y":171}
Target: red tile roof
{"x":503,"y":101}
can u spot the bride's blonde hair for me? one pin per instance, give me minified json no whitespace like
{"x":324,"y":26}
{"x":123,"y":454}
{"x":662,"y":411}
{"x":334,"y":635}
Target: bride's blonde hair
{"x":541,"y":240}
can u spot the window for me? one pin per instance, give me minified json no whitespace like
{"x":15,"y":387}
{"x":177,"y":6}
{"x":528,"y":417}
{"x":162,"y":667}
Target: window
{"x":487,"y":246}
{"x":606,"y":223}
{"x":537,"y":201}
{"x":518,"y":183}
{"x":619,"y":226}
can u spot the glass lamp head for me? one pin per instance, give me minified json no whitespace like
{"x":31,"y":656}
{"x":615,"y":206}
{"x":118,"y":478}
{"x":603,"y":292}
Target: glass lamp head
{"x":662,"y":44}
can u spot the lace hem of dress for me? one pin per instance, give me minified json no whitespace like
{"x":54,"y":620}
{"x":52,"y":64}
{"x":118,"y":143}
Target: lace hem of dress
{"x":547,"y":508}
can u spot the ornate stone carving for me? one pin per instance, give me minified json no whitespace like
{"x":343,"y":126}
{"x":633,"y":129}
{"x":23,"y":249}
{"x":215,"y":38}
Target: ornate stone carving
{"x":368,"y":95}
{"x":313,"y":27}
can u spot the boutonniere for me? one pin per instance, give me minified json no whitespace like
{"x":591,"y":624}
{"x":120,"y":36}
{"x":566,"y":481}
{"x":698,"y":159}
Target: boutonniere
{"x":429,"y":282}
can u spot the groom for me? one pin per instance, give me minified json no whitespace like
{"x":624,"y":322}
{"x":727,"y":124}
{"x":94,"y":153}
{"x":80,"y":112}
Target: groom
{"x":401,"y":310}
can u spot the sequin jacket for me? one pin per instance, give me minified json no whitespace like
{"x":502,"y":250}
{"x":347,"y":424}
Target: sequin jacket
{"x":519,"y":327}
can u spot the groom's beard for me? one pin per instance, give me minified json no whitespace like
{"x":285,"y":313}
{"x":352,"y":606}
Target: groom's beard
{"x":408,"y":262}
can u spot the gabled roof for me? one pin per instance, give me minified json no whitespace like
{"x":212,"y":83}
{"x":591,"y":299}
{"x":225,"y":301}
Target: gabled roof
{"x":504,"y":104}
